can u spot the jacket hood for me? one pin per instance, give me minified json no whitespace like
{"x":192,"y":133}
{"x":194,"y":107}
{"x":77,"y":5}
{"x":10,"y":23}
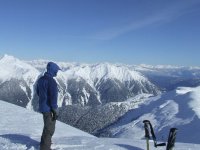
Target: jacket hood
{"x":52,"y":69}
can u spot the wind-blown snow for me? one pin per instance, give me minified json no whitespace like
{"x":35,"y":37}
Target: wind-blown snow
{"x":194,"y":104}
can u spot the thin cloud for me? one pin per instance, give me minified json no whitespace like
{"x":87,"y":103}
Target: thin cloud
{"x":163,"y":16}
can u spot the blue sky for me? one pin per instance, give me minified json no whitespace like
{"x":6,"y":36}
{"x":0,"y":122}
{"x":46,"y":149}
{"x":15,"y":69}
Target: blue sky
{"x":90,"y":31}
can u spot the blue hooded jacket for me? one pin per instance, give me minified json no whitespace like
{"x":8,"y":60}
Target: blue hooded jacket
{"x":47,"y":89}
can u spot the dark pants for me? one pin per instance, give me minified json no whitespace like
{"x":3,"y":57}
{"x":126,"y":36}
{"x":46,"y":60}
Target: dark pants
{"x":48,"y":131}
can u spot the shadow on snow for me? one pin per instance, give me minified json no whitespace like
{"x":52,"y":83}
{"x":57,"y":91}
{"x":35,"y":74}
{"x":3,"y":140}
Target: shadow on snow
{"x":129,"y":147}
{"x":21,"y":139}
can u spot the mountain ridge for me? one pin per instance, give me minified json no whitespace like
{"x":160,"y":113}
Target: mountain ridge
{"x":92,"y":77}
{"x":88,"y":92}
{"x":178,"y":108}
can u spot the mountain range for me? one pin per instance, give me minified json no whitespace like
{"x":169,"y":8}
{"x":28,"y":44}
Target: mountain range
{"x":92,"y":97}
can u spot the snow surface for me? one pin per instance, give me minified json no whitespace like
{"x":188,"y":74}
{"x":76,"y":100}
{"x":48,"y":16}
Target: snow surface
{"x":179,"y":108}
{"x":20,"y":129}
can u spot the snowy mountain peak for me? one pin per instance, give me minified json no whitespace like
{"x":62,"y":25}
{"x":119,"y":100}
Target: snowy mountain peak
{"x":91,"y":81}
{"x":8,"y":58}
{"x":11,"y":67}
{"x":105,"y":71}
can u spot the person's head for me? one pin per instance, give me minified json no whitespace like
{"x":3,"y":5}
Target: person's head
{"x":52,"y":69}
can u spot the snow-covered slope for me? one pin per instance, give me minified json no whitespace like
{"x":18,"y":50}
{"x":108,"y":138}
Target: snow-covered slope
{"x":103,"y":83}
{"x":20,"y":129}
{"x":179,"y":108}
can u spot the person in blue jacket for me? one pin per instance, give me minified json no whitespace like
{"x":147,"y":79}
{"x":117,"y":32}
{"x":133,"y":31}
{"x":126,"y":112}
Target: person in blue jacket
{"x":48,"y":93}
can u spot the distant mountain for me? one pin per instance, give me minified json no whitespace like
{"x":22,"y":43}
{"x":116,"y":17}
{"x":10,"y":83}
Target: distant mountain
{"x":170,"y":77}
{"x":178,"y":108}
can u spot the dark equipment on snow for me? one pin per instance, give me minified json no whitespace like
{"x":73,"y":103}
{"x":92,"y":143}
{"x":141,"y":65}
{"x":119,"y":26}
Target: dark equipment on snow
{"x":171,"y":138}
{"x":147,"y":136}
{"x":149,"y":129}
